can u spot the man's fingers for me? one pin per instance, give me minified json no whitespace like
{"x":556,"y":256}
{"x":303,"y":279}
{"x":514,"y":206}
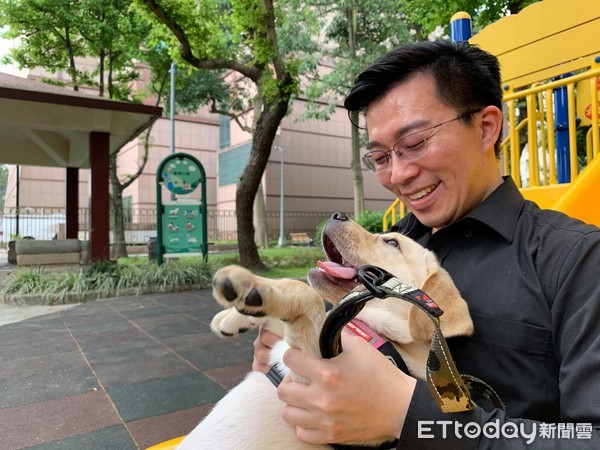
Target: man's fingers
{"x":302,"y":363}
{"x":262,"y":350}
{"x":311,"y":427}
{"x":268,"y":338}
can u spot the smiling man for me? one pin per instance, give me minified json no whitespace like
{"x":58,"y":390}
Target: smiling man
{"x":530,"y":276}
{"x":445,"y":163}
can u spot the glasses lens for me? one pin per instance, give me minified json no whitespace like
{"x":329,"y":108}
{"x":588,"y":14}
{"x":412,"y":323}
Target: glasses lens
{"x":411,"y":147}
{"x":376,"y":160}
{"x":368,"y":162}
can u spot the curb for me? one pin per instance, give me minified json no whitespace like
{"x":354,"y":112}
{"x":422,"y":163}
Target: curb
{"x":37,"y":299}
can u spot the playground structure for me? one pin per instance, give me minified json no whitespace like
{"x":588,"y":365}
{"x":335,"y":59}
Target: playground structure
{"x":550,"y":60}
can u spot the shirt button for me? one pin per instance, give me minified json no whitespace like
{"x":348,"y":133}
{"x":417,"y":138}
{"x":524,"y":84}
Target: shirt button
{"x":468,"y":233}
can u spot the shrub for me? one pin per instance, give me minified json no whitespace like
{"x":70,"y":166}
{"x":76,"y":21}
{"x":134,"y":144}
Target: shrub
{"x":371,"y":221}
{"x":318,"y":241}
{"x":307,"y":257}
{"x":105,"y":279}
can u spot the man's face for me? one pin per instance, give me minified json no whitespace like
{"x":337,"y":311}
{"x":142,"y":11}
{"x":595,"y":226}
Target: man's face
{"x":455,"y":173}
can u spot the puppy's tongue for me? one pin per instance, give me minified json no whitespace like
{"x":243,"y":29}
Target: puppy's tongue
{"x":337,"y":270}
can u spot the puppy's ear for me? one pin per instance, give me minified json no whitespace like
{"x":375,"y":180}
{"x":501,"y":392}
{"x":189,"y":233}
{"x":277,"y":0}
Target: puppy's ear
{"x":419,"y":325}
{"x":455,"y":321}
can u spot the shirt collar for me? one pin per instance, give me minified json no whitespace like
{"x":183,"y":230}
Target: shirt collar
{"x":499,"y":211}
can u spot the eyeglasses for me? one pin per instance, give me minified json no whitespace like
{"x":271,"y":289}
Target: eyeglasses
{"x":407,"y":148}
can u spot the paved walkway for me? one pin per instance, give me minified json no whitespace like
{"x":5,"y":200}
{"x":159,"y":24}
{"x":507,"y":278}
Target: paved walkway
{"x":14,"y":313}
{"x":122,"y":373}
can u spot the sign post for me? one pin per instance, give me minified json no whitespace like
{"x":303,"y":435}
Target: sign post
{"x":181,"y":223}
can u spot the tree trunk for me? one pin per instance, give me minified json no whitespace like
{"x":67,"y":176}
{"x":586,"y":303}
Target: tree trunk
{"x":357,"y":178}
{"x":273,"y":112}
{"x":260,"y":219}
{"x":119,"y":244}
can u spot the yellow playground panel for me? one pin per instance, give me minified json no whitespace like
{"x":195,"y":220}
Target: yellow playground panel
{"x":536,"y":49}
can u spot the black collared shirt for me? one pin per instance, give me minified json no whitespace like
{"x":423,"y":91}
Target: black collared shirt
{"x":531,"y":278}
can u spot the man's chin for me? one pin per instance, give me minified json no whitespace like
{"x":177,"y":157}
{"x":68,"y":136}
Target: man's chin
{"x":430,"y":220}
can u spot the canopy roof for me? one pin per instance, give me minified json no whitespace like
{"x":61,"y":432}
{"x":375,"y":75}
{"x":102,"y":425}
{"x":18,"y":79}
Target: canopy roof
{"x":45,"y":125}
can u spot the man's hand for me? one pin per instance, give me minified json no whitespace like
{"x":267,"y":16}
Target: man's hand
{"x":262,"y":349}
{"x":358,"y":396}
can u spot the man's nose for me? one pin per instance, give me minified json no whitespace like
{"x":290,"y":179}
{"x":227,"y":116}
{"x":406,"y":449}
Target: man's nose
{"x":401,"y":172}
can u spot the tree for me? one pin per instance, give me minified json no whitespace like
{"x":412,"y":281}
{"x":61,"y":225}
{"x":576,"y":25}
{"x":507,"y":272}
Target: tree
{"x":361,"y":34}
{"x":262,"y":48}
{"x":115,"y":37}
{"x":47,"y":35}
{"x":433,"y":14}
{"x":3,"y":184}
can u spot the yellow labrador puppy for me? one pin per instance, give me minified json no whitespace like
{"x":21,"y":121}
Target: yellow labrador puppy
{"x":249,"y":416}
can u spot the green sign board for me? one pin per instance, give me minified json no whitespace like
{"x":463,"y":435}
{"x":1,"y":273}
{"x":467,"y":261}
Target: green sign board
{"x":181,"y":175}
{"x":181,"y":222}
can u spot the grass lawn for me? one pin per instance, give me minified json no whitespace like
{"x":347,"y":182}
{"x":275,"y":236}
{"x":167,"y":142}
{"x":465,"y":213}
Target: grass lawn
{"x":284,"y":262}
{"x":288,"y":272}
{"x":135,"y":274}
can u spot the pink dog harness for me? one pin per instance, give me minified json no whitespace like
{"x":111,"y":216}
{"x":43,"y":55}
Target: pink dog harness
{"x":359,"y":328}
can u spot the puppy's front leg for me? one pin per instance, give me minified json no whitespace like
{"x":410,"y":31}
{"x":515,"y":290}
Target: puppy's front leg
{"x":295,"y":303}
{"x":230,"y":323}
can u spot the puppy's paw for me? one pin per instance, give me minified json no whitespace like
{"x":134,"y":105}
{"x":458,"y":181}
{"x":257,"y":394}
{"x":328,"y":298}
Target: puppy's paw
{"x":230,"y":323}
{"x":238,"y":287}
{"x":259,"y":298}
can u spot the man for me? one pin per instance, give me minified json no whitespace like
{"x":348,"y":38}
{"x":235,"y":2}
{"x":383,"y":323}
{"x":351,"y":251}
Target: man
{"x":530,"y":276}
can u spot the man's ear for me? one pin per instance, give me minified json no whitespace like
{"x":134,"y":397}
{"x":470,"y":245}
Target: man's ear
{"x":491,"y":126}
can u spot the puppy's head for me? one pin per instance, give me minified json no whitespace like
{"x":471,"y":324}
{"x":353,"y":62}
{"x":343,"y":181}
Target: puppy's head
{"x":348,"y":246}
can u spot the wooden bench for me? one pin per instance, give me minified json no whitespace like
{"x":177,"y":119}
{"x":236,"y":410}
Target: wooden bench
{"x":301,"y":239}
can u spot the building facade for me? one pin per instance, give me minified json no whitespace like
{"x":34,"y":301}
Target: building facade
{"x":317,"y":178}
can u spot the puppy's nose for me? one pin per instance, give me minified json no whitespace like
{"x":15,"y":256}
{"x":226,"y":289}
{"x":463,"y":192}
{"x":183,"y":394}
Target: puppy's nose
{"x":339,"y":216}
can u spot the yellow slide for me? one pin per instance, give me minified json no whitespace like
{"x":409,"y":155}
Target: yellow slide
{"x":167,"y":445}
{"x":581,"y":199}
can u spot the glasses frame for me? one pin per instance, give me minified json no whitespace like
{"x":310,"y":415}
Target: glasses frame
{"x":372,"y":167}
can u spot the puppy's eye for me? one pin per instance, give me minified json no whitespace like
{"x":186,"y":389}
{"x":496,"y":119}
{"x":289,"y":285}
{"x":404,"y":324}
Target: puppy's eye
{"x":393,"y":243}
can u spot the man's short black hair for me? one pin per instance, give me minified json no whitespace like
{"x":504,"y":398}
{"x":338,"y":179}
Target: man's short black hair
{"x":466,"y":77}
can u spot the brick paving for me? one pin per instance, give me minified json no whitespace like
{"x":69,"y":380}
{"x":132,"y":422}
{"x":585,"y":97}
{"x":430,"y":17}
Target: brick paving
{"x":122,"y":373}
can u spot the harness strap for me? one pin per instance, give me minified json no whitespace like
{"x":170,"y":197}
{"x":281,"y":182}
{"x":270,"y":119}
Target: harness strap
{"x":274,"y":376}
{"x":358,"y":328}
{"x":445,"y":383}
{"x":443,"y":379}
